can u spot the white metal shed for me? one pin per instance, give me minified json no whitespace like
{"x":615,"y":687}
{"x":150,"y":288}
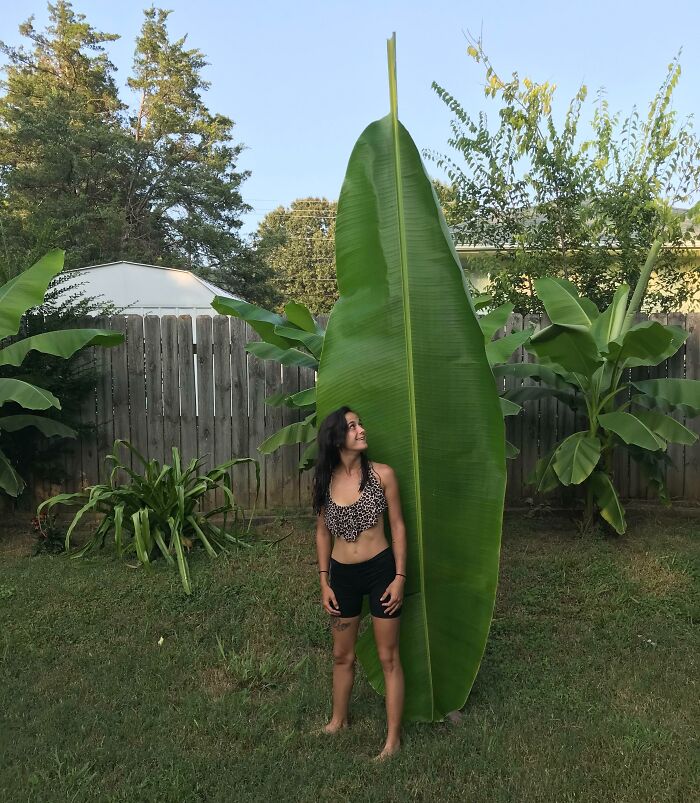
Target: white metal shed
{"x":149,"y":289}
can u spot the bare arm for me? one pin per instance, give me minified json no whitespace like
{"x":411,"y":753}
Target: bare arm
{"x":396,"y":522}
{"x":392,"y":599}
{"x":323,"y":551}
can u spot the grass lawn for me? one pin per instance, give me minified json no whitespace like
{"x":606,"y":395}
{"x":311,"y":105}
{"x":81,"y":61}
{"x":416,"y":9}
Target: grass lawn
{"x":588,"y":690}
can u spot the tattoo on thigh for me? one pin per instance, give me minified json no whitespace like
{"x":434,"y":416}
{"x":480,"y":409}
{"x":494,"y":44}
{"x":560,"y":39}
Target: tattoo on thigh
{"x":340,"y":625}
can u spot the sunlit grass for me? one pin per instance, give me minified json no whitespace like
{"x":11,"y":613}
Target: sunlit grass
{"x":115,"y":686}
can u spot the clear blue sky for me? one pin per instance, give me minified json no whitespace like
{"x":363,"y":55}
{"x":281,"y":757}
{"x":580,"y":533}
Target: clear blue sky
{"x":302,"y":79}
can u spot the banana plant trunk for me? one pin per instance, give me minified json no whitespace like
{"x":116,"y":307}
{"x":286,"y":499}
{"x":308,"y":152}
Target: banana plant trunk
{"x":404,"y":349}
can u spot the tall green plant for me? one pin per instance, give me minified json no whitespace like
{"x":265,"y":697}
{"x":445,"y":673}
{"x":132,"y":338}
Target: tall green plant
{"x":293,"y":339}
{"x":590,"y":352}
{"x":157,"y":511}
{"x":430,"y":407}
{"x":25,"y":291}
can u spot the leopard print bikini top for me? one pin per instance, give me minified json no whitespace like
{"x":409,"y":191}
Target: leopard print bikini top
{"x":348,"y":521}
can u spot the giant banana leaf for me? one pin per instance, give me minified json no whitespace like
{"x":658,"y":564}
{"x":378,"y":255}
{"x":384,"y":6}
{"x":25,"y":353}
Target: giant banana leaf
{"x":63,"y":343}
{"x":26,"y":291}
{"x":403,"y":348}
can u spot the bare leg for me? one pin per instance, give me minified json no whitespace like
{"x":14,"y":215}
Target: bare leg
{"x":386,"y":636}
{"x":344,"y":638}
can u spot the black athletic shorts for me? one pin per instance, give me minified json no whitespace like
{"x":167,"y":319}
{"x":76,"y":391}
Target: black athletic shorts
{"x":351,"y":581}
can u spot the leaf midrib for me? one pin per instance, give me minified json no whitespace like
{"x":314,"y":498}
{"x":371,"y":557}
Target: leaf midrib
{"x":409,"y":356}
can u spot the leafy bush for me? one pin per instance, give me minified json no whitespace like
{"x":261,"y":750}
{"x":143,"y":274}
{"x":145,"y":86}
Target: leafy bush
{"x":157,"y":512}
{"x":584,"y":356}
{"x":20,"y":294}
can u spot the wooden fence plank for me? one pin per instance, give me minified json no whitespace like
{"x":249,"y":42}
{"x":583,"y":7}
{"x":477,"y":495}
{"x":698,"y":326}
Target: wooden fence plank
{"x":274,"y":472}
{"x":120,"y":394}
{"x":137,"y":385}
{"x":154,"y":389}
{"x":221,"y":344}
{"x":188,"y":395}
{"x":655,"y":372}
{"x":205,"y":392}
{"x":675,"y":473}
{"x":637,"y":481}
{"x":256,"y":413}
{"x":240,"y":442}
{"x":290,"y":454}
{"x":88,"y":418}
{"x":692,"y":371}
{"x":171,"y":386}
{"x":105,"y":412}
{"x":307,"y":379}
{"x":548,"y":434}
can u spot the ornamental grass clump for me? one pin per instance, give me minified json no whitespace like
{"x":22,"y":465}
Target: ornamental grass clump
{"x":158,"y":512}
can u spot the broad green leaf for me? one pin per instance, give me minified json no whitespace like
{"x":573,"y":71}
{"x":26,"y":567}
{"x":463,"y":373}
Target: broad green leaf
{"x":481,"y":301}
{"x":607,"y":500}
{"x":300,"y":316}
{"x":575,"y":458}
{"x":261,"y":320}
{"x":28,"y":396}
{"x":666,"y":427}
{"x":494,"y":320}
{"x":669,"y":394}
{"x":647,"y":343}
{"x":532,"y":370}
{"x":609,"y":324}
{"x":10,"y":481}
{"x":431,"y":413}
{"x":299,"y":432}
{"x":508,"y":407}
{"x":575,"y":351}
{"x":290,"y":356}
{"x":512,"y":450}
{"x":631,"y":430}
{"x":498,"y":351}
{"x":308,"y":456}
{"x":528,"y":393}
{"x":63,"y":343}
{"x":545,"y":478}
{"x":304,"y":398}
{"x":47,"y":426}
{"x":27,"y":290}
{"x":312,"y":341}
{"x":564,"y":305}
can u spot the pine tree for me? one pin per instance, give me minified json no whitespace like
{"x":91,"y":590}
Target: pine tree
{"x":60,"y":144}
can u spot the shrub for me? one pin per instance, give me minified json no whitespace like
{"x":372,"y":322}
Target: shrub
{"x":157,"y":512}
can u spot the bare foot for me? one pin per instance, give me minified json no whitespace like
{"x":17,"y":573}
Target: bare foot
{"x":334,"y":727}
{"x":388,"y":751}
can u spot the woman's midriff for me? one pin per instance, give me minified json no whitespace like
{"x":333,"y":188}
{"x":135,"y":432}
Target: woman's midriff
{"x":368,"y":544}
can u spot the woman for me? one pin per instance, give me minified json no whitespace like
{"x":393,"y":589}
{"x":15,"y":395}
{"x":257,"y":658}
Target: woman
{"x":350,"y":496}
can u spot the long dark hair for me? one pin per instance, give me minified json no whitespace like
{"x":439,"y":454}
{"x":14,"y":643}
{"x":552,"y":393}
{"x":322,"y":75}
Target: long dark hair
{"x":331,"y":439}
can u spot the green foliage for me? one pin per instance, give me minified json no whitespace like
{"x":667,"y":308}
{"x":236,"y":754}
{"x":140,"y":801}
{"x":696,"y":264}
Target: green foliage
{"x":293,"y":339}
{"x":17,"y":390}
{"x":298,"y":245}
{"x":549,"y":203}
{"x":398,"y":275}
{"x":156,"y":512}
{"x":589,"y":353}
{"x":156,"y":184}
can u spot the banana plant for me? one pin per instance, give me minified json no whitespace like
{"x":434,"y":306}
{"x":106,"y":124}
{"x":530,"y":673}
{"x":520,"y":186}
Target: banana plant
{"x":429,"y":404}
{"x":591,"y":351}
{"x":293,"y":339}
{"x":20,"y":294}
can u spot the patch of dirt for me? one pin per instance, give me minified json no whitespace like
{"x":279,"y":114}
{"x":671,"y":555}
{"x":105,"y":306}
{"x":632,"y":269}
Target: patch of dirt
{"x":217,"y":681}
{"x":653,"y":574}
{"x":16,"y":541}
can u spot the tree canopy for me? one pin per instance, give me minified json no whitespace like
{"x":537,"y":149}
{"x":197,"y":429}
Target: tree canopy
{"x":545,"y":200}
{"x":297,"y":244}
{"x":81,"y":170}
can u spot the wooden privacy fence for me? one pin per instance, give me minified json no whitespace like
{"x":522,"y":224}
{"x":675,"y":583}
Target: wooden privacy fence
{"x":205,"y":394}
